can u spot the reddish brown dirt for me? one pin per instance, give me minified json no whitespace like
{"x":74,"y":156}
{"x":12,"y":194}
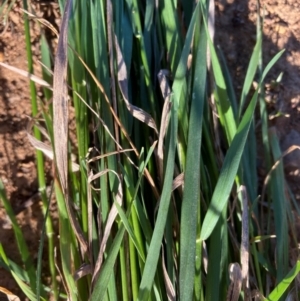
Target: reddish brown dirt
{"x":17,"y":161}
{"x":17,"y":156}
{"x":235,"y":32}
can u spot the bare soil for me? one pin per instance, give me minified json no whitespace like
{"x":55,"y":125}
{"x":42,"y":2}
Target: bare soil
{"x":235,"y":33}
{"x":17,"y":156}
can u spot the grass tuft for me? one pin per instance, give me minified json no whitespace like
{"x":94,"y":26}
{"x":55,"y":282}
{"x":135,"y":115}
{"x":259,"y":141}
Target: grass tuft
{"x":163,"y":201}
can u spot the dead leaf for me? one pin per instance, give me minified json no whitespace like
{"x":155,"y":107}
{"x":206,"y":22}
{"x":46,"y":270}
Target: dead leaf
{"x":27,"y":75}
{"x":178,"y":181}
{"x":10,"y":296}
{"x":166,"y":93}
{"x":235,"y":286}
{"x":110,"y":220}
{"x":85,"y":269}
{"x":47,"y":150}
{"x":60,"y":121}
{"x":41,"y":20}
{"x":245,"y":243}
{"x":275,"y":165}
{"x":136,"y":112}
{"x":168,"y":283}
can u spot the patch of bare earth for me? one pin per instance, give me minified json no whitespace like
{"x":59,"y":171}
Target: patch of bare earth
{"x":17,"y":156}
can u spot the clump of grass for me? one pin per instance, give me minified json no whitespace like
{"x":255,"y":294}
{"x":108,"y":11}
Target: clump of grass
{"x":157,"y":207}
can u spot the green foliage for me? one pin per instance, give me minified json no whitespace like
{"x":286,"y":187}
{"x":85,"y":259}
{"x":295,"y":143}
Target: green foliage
{"x":166,"y":227}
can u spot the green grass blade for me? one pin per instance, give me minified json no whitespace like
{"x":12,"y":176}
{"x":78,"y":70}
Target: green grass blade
{"x":171,"y":32}
{"x":231,"y":164}
{"x":97,"y":13}
{"x":228,"y":172}
{"x":271,"y":64}
{"x":18,"y":277}
{"x":149,"y":14}
{"x":228,"y":82}
{"x":179,"y":90}
{"x":124,"y":273}
{"x":22,"y":246}
{"x":222,"y":102}
{"x":251,"y":71}
{"x":65,"y":242}
{"x":217,"y":259}
{"x":40,"y":254}
{"x":154,"y":249}
{"x":130,"y":231}
{"x":112,"y":289}
{"x":280,"y":289}
{"x":107,"y":268}
{"x":137,"y":242}
{"x":9,"y":265}
{"x":191,"y":195}
{"x":46,"y":60}
{"x":280,"y":209}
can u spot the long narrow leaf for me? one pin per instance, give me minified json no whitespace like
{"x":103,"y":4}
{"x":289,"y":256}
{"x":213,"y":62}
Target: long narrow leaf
{"x":280,"y":289}
{"x":230,"y":165}
{"x":154,"y":249}
{"x":191,"y":195}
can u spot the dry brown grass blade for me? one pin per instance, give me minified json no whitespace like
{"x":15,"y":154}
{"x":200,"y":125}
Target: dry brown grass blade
{"x":245,"y":243}
{"x":178,"y":181}
{"x":10,"y":296}
{"x":205,"y":256}
{"x":46,"y":149}
{"x":110,"y":220}
{"x":168,"y":283}
{"x":60,"y":102}
{"x":166,"y":92}
{"x":43,"y":147}
{"x":30,"y":76}
{"x":85,"y":269}
{"x":268,"y":176}
{"x":211,"y":19}
{"x":235,"y":286}
{"x":136,"y":112}
{"x":90,"y":219}
{"x":41,"y":20}
{"x":256,"y":295}
{"x":60,"y":121}
{"x":109,"y":154}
